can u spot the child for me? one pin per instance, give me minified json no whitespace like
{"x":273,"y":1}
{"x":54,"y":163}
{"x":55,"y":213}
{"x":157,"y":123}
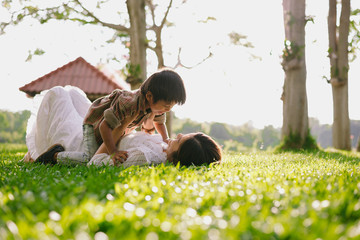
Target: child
{"x":109,"y":118}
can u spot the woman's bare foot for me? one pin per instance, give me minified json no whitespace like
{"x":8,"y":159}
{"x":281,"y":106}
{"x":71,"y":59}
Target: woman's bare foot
{"x":27,"y":158}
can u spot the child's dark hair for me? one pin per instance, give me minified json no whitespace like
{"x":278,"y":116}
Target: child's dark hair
{"x":165,"y":85}
{"x":198,"y":150}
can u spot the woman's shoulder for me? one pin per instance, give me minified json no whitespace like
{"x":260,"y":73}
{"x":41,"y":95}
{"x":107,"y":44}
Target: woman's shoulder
{"x":140,"y":136}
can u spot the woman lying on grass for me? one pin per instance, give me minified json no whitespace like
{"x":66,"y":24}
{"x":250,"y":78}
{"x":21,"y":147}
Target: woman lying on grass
{"x":57,"y":121}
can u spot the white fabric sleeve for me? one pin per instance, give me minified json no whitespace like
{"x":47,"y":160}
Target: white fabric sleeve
{"x":103,"y":159}
{"x":142,"y":148}
{"x":136,"y":157}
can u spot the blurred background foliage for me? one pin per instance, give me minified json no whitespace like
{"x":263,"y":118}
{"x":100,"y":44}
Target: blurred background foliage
{"x":13,"y":126}
{"x":243,"y":138}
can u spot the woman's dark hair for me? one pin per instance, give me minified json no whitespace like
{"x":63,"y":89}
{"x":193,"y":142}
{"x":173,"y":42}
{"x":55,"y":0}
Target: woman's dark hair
{"x":198,"y":150}
{"x":165,"y":85}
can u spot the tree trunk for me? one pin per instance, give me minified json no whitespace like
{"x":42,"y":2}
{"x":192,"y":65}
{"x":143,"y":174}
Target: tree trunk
{"x":161,"y":64}
{"x":339,"y":63}
{"x":138,"y":45}
{"x":136,"y":10}
{"x":158,"y":49}
{"x":295,"y":109}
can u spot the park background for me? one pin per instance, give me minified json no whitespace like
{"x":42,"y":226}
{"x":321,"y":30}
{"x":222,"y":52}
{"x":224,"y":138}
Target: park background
{"x":235,"y":96}
{"x":236,"y":92}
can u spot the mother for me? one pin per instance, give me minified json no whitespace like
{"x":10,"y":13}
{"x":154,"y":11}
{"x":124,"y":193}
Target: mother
{"x":57,"y":119}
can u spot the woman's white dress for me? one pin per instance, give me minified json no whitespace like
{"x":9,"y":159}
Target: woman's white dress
{"x":57,"y":117}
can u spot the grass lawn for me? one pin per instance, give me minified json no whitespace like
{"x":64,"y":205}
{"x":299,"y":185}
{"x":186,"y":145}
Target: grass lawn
{"x":250,"y":196}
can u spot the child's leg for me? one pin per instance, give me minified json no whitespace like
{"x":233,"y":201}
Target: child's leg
{"x":90,"y":144}
{"x":81,"y":158}
{"x":72,"y":158}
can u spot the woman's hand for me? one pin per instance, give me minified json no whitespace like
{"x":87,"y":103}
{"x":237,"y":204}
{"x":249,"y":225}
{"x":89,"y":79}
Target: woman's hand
{"x":119,"y":157}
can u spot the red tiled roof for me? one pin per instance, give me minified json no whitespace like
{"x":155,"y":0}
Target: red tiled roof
{"x":77,"y":73}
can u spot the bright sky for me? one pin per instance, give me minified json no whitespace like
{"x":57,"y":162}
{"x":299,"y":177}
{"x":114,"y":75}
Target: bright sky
{"x":231,"y":87}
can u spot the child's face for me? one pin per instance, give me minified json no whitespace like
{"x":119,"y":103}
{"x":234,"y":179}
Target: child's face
{"x":160,"y":106}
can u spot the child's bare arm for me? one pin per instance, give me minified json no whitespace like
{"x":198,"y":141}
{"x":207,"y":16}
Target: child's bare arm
{"x":162,"y":130}
{"x":107,"y":137}
{"x":111,"y":138}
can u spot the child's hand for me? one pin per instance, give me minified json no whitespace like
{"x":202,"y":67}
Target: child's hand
{"x":119,"y":157}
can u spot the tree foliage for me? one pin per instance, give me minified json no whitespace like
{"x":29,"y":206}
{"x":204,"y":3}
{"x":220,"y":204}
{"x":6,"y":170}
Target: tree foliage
{"x":72,"y":10}
{"x":13,"y":126}
{"x":233,"y":138}
{"x":354,"y":40}
{"x":82,"y":12}
{"x":91,"y":13}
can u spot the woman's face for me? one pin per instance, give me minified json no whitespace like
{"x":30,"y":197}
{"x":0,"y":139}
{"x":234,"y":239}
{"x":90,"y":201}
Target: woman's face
{"x":174,"y":144}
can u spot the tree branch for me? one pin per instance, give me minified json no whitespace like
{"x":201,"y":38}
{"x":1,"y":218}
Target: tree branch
{"x":151,"y":48}
{"x":152,"y":10}
{"x":43,"y":15}
{"x":88,"y":13}
{"x":166,"y":14}
{"x":151,"y":6}
{"x":180,"y":64}
{"x":17,"y":16}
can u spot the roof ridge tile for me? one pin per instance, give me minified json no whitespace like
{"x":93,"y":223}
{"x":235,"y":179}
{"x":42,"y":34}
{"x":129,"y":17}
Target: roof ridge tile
{"x":63,"y":73}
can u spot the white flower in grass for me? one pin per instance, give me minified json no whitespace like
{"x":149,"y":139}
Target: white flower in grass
{"x":207,"y":220}
{"x":191,"y":212}
{"x":101,"y":236}
{"x":110,"y":197}
{"x":54,"y":216}
{"x":129,"y":207}
{"x":154,"y":189}
{"x":140,"y":212}
{"x":152,"y":236}
{"x":166,"y":226}
{"x":12,"y":227}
